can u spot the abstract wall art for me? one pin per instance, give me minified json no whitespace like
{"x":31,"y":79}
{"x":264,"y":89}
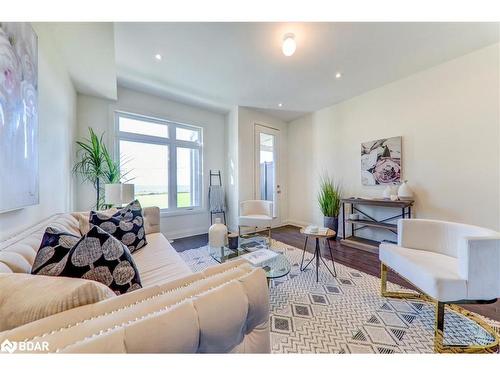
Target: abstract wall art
{"x":381,"y":161}
{"x":18,"y":116}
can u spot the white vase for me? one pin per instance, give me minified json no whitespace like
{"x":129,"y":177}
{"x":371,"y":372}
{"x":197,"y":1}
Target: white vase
{"x":404,"y":191}
{"x":387,"y":192}
{"x":217,"y":235}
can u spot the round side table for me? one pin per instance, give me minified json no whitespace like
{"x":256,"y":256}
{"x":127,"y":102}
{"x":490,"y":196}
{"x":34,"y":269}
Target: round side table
{"x":317,"y":252}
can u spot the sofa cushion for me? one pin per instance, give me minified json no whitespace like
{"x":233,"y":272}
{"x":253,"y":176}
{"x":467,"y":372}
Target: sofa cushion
{"x":158,"y":262}
{"x":434,"y":274}
{"x":127,"y":225}
{"x":26,"y":298}
{"x":54,"y":247}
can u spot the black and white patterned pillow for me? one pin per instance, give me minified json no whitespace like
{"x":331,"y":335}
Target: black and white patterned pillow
{"x":127,"y":225}
{"x":100,"y":257}
{"x":54,"y":247}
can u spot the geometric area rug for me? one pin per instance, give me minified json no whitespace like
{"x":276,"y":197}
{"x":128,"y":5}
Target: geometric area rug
{"x":346,"y":314}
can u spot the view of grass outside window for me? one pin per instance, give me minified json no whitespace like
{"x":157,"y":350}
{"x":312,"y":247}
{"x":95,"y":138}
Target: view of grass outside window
{"x":157,"y":163}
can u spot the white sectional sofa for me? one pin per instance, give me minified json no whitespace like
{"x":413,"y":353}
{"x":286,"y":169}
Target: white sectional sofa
{"x":223,"y":309}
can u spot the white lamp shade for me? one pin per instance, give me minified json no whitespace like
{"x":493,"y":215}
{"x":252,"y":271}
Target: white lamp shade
{"x":118,"y":194}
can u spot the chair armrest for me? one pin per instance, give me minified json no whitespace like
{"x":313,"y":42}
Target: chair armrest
{"x":223,"y":309}
{"x":479,"y":264}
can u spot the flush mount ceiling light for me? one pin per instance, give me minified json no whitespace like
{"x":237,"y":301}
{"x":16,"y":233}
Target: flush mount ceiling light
{"x":289,"y":45}
{"x":338,"y":75}
{"x":158,"y":57}
{"x":280,"y":105}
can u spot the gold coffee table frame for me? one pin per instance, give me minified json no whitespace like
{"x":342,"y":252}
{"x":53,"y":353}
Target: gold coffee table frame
{"x":439,"y":345}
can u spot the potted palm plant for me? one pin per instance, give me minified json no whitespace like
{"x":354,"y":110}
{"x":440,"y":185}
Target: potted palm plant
{"x":96,"y":165}
{"x":329,"y":196}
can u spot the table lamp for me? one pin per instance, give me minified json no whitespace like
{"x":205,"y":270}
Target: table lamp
{"x":118,"y":194}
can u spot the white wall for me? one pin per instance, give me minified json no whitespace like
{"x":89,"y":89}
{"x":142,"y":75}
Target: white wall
{"x":99,"y":114}
{"x":247,"y":118}
{"x":57,"y":127}
{"x":449,"y":119}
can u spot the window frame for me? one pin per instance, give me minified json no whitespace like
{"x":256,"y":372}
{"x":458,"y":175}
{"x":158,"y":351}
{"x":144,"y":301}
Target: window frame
{"x":173,"y":144}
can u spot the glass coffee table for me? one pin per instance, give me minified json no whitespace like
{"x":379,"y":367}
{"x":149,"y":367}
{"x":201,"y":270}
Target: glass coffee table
{"x":275,"y":268}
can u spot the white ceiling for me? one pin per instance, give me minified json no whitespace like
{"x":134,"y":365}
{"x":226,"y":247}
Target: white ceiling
{"x":219,"y":65}
{"x":89,"y":54}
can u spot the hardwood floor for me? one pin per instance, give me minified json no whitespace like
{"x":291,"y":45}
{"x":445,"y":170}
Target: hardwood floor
{"x":354,"y":258}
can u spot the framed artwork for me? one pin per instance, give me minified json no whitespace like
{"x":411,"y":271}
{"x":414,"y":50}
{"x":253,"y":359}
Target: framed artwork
{"x":18,"y":116}
{"x":381,"y":161}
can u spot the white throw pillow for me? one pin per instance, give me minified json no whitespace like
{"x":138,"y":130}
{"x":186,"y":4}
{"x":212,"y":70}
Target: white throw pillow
{"x":25,"y":298}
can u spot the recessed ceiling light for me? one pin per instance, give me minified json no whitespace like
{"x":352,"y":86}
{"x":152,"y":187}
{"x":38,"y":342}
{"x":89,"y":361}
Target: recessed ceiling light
{"x":280,"y":105}
{"x":338,"y":75}
{"x":158,"y":57}
{"x":289,"y":45}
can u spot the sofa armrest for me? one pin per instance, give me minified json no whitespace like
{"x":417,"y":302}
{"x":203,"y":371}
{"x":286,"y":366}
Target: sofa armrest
{"x":479,"y":264}
{"x":151,"y":219}
{"x":223,"y":309}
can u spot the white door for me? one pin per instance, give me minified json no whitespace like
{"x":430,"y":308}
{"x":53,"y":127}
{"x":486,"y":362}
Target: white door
{"x":267,"y":167}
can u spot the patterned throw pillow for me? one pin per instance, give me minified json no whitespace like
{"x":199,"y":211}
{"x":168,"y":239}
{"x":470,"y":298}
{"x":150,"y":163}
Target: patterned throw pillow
{"x":127,"y":225}
{"x":54,"y":247}
{"x":97,"y":256}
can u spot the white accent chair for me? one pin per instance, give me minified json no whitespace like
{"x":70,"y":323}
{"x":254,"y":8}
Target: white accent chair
{"x":256,"y":214}
{"x":450,"y":263}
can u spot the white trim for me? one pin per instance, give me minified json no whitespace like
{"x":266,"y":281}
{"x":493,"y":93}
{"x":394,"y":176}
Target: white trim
{"x":185,"y":233}
{"x":204,"y":230}
{"x":297,"y":223}
{"x":183,"y":212}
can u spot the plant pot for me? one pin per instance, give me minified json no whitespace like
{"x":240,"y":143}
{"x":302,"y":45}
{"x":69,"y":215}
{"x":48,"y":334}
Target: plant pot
{"x":332,"y":223}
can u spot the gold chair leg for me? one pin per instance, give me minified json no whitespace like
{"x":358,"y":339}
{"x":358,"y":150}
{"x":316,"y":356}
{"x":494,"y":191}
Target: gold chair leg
{"x":385,"y":293}
{"x":439,"y":346}
{"x":439,"y":327}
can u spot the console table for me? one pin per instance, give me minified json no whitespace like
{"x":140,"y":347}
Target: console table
{"x":369,"y":221}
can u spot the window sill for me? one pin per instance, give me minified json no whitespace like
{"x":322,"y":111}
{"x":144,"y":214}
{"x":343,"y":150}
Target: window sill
{"x":183,"y":212}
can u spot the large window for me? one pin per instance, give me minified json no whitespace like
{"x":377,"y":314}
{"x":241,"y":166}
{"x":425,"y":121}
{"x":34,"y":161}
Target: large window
{"x":163,"y":160}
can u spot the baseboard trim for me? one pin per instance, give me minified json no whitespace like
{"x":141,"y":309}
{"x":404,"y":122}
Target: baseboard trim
{"x":185,"y":233}
{"x":203,"y":230}
{"x":297,"y":223}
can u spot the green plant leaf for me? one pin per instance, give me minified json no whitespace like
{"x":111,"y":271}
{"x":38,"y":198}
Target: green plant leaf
{"x":329,"y":196}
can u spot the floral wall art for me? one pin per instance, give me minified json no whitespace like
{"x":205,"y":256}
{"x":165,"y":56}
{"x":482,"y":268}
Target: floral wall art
{"x":18,"y":116}
{"x":381,"y":161}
